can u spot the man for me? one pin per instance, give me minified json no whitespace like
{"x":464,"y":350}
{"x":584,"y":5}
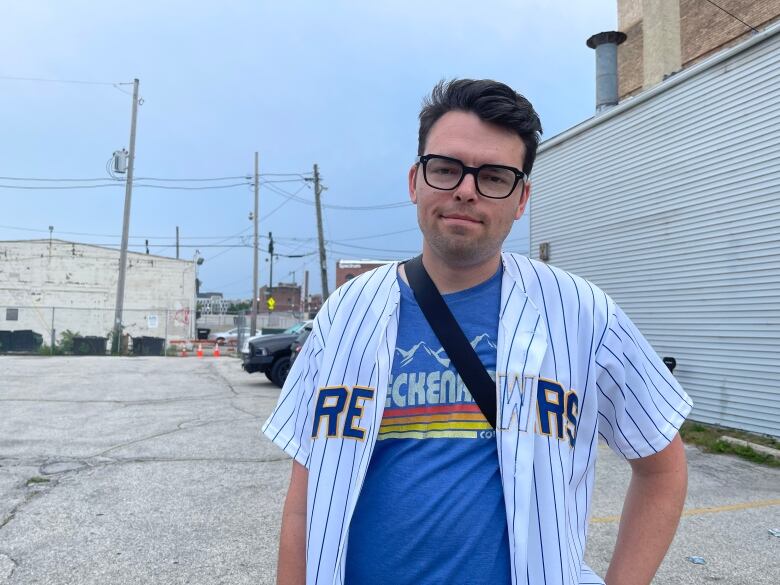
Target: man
{"x":398,"y":477}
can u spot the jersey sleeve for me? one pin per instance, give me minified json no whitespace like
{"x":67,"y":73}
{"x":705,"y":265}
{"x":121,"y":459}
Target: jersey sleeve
{"x":641,"y":405}
{"x":289,"y":425}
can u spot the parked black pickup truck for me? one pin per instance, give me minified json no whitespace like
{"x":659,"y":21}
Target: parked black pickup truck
{"x":270,"y":354}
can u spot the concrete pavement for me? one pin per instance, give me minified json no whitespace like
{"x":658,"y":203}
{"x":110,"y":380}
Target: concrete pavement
{"x":153,"y":470}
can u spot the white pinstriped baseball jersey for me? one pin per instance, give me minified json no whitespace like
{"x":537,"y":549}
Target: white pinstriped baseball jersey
{"x":570,"y":365}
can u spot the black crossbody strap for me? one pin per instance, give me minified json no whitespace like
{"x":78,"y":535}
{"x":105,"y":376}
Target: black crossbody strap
{"x":451,"y":336}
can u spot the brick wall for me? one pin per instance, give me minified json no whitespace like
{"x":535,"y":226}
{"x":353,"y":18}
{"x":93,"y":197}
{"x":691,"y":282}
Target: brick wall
{"x":630,"y":52}
{"x":704,"y":29}
{"x":287,"y":297}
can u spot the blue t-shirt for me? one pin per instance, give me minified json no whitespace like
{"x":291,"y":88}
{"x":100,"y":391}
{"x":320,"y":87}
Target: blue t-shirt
{"x":431,"y":509}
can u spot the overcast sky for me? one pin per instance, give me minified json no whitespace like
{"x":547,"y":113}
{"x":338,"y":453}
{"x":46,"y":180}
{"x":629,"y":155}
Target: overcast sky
{"x":337,"y":83}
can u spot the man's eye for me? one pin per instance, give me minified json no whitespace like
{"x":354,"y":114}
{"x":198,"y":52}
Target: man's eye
{"x":496,"y":179}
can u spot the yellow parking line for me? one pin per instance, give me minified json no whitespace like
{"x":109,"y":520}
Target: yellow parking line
{"x":701,"y":511}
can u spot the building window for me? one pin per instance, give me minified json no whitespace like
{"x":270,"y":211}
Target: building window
{"x":12,"y":314}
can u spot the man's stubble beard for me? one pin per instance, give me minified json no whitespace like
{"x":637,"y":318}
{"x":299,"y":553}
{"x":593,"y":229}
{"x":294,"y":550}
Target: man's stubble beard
{"x":459,"y":249}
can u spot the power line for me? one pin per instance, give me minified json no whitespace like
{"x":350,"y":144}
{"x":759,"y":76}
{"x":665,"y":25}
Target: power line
{"x":282,"y":239}
{"x":192,"y":180}
{"x":230,"y":186}
{"x":43,"y":231}
{"x":349,"y":250}
{"x":283,"y":181}
{"x":29,"y":187}
{"x":414,"y":229}
{"x":302,"y":175}
{"x":122,"y":184}
{"x":73,"y":81}
{"x":732,"y":15}
{"x":53,"y":180}
{"x":285,"y":202}
{"x":211,"y":258}
{"x":367,"y":248}
{"x":369,"y":207}
{"x":181,"y":179}
{"x":284,"y":193}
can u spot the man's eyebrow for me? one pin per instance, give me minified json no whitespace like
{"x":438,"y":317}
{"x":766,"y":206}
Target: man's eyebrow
{"x":519,"y":167}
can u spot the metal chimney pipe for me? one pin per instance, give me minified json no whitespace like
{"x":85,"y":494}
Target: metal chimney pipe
{"x":606,"y":44}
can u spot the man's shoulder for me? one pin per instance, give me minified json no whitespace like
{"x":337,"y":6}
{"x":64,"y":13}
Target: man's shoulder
{"x":363,"y":290}
{"x":372,"y":279}
{"x":540,"y":279}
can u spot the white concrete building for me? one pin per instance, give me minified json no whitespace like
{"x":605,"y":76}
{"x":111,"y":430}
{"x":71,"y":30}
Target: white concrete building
{"x":57,"y":285}
{"x":670,"y":202}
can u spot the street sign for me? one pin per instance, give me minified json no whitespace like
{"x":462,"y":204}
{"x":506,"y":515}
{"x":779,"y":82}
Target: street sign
{"x":271,"y":303}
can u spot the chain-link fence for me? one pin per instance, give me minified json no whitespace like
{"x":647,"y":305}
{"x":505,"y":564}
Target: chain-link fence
{"x":88,"y":331}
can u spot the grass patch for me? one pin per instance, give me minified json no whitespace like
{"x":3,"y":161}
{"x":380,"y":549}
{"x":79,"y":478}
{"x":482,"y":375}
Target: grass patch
{"x":37,"y":480}
{"x":707,"y":438}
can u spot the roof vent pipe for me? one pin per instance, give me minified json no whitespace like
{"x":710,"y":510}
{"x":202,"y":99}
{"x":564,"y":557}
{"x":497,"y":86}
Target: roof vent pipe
{"x":606,"y":44}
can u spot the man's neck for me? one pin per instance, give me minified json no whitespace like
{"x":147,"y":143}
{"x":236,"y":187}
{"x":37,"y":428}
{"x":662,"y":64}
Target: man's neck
{"x":449,"y":278}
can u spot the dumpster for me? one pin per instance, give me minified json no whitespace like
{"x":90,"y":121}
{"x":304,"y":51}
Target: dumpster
{"x":25,"y":340}
{"x":5,"y":341}
{"x":148,"y":345}
{"x":203,"y":333}
{"x":90,"y":345}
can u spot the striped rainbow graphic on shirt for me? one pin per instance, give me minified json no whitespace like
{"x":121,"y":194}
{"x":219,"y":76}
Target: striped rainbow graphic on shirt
{"x":427,"y":399}
{"x":445,"y":421}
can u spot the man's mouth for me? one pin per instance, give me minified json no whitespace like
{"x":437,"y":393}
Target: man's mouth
{"x":459,"y":217}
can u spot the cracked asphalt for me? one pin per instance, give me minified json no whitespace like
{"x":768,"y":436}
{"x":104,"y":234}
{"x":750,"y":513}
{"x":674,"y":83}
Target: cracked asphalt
{"x":137,"y":470}
{"x":153,"y":470}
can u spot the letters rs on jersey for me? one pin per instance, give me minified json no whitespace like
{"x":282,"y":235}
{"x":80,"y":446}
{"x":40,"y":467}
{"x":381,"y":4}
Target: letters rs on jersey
{"x":570,"y":367}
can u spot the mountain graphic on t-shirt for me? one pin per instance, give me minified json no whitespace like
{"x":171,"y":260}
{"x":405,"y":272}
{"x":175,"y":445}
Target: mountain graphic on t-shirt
{"x":407,"y":356}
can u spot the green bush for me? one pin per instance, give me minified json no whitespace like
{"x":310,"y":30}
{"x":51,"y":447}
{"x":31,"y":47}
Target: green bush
{"x":46,"y":350}
{"x":66,"y":343}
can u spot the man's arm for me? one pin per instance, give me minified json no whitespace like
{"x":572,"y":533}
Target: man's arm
{"x":291,"y":569}
{"x":651,"y":512}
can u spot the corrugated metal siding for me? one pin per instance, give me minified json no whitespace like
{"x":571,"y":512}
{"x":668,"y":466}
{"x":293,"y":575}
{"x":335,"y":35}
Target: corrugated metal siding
{"x":673,"y":207}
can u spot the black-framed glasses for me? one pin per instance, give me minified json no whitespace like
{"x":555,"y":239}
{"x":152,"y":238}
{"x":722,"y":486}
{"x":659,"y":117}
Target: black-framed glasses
{"x":492,"y":181}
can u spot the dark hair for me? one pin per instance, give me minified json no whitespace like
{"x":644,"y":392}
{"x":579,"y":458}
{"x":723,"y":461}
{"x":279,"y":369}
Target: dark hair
{"x":492,"y":101}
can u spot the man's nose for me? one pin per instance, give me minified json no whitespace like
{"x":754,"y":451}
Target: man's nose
{"x":467,"y":190}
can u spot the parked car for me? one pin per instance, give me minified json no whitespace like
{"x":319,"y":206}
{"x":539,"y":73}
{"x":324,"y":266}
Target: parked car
{"x":294,"y":329}
{"x":270,"y":354}
{"x":297,"y":345}
{"x":230,"y":336}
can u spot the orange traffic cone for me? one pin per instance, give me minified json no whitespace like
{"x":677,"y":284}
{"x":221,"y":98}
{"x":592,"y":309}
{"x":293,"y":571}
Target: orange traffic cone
{"x":199,"y":353}
{"x":216,"y":350}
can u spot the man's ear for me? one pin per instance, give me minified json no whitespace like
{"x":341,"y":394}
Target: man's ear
{"x":525,"y":195}
{"x":413,"y":183}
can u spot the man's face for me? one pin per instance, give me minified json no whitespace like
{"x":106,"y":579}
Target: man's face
{"x":461,"y":227}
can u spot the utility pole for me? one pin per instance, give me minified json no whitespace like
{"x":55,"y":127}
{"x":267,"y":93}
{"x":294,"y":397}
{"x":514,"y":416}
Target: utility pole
{"x":255,"y":289}
{"x":120,"y":287}
{"x":177,"y":242}
{"x":271,"y":274}
{"x":323,"y":262}
{"x":306,"y":294}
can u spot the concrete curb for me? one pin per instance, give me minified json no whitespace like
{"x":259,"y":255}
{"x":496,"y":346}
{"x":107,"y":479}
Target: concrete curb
{"x":755,"y":446}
